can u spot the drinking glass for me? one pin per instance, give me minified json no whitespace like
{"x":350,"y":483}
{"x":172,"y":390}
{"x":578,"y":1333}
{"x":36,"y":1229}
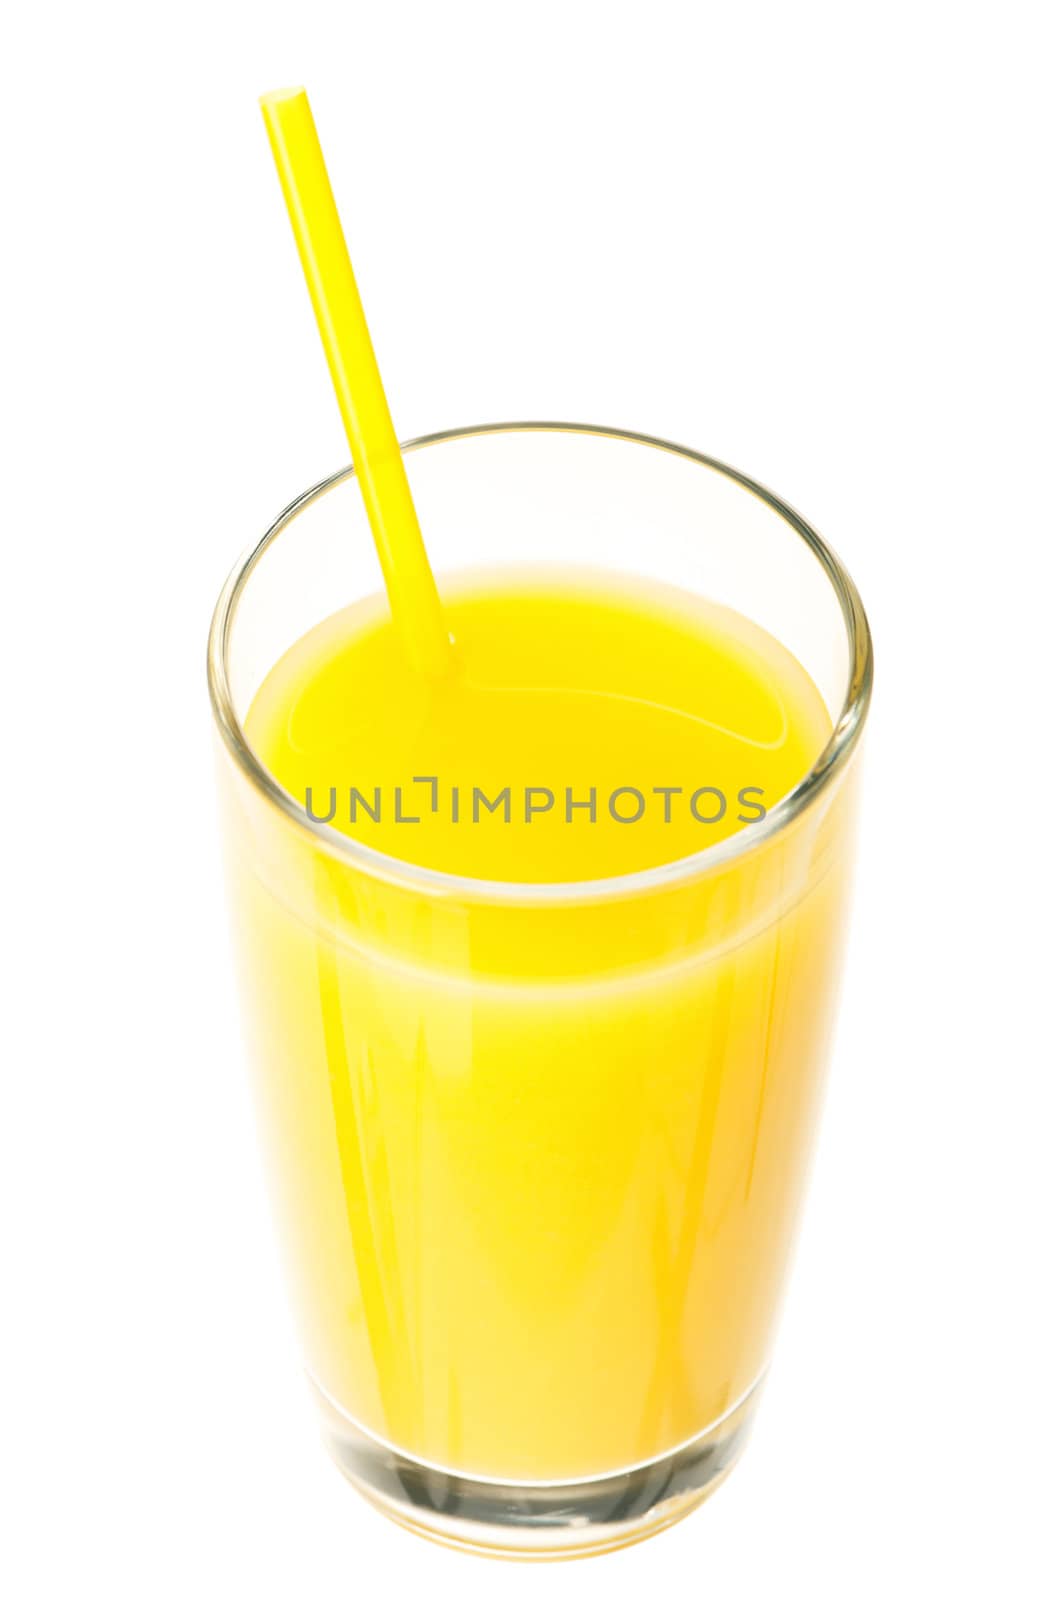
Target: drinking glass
{"x":537,"y":1150}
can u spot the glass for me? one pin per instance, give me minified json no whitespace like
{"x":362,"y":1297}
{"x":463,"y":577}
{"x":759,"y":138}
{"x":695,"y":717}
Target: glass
{"x":537,"y":1150}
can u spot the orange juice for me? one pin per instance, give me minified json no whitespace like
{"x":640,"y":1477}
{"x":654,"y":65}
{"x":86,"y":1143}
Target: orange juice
{"x":536,"y":1132}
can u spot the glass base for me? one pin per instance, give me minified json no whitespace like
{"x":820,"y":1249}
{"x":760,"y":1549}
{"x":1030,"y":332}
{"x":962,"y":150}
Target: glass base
{"x":537,"y":1521}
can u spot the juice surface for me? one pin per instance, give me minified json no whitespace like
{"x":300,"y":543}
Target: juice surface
{"x":536,"y":1225}
{"x":677,"y":721}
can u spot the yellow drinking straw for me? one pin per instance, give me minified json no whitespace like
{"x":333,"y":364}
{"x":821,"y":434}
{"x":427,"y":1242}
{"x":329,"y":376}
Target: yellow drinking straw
{"x":411,"y":588}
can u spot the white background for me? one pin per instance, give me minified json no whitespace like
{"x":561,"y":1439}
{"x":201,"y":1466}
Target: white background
{"x":820,"y":241}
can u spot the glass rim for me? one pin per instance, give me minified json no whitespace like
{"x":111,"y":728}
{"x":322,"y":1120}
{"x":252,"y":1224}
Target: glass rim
{"x":429,"y":881}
